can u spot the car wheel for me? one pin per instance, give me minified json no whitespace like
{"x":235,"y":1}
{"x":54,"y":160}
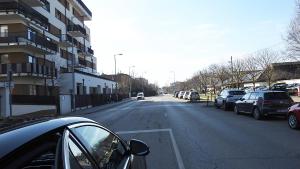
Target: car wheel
{"x":225,"y":106}
{"x":236,"y":110}
{"x":293,"y":122}
{"x":216,"y":104}
{"x":256,"y":114}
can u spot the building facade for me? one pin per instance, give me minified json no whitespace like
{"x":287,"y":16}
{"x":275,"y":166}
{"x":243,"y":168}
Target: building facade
{"x":45,"y":48}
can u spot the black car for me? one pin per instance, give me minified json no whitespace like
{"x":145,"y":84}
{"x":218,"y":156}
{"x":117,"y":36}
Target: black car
{"x":264,"y":103}
{"x":227,"y":98}
{"x":72,"y":142}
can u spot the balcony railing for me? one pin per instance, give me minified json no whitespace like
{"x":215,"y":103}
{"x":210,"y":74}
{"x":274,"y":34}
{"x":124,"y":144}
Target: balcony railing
{"x":27,"y":11}
{"x":23,"y":37}
{"x":29,"y":69}
{"x":76,"y":28}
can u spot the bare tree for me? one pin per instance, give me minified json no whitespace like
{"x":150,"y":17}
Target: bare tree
{"x":204,"y":79}
{"x":293,"y":35}
{"x":238,"y":66}
{"x":252,"y":68}
{"x":265,"y":59}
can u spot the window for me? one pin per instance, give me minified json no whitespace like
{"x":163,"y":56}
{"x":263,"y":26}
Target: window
{"x":106,"y":148}
{"x":31,"y":59}
{"x":57,"y":14}
{"x":77,"y":158}
{"x":4,"y":58}
{"x":31,"y":34}
{"x":253,"y":96}
{"x":46,"y":6}
{"x":246,"y":96}
{"x":3,"y":31}
{"x":236,"y":92}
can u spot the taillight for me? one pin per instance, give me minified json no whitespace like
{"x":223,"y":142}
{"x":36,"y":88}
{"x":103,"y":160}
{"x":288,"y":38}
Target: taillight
{"x":267,"y":102}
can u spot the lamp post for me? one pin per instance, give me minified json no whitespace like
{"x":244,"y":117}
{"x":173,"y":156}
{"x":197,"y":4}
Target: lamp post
{"x":130,"y":80}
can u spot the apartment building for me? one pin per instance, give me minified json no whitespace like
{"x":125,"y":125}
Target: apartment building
{"x":45,"y":48}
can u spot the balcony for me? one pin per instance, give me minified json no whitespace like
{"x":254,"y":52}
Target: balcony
{"x":35,"y":43}
{"x":85,"y":52}
{"x":29,"y":69}
{"x":34,"y":3}
{"x":65,"y":41}
{"x":11,"y":11}
{"x":82,"y":9}
{"x":76,"y":31}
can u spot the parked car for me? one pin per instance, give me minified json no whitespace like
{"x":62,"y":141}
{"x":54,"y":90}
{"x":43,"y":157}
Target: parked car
{"x":279,"y":87}
{"x":71,"y":142}
{"x":186,"y":94}
{"x":180,"y":95}
{"x":294,"y":116}
{"x":264,"y":103}
{"x":193,"y":96}
{"x":140,"y":96}
{"x":176,"y":94}
{"x":227,"y":98}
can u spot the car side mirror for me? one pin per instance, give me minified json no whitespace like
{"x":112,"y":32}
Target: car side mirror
{"x":138,"y":148}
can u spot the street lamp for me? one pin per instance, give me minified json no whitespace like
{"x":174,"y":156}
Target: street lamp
{"x":116,"y":74}
{"x":130,"y":80}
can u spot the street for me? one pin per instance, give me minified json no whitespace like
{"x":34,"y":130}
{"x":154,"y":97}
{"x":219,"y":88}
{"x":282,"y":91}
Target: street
{"x":185,"y":135}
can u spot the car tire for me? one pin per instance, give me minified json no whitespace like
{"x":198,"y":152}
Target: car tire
{"x":225,"y":106}
{"x":236,"y":110}
{"x":293,"y":122}
{"x":216,"y":104}
{"x":256,"y":114}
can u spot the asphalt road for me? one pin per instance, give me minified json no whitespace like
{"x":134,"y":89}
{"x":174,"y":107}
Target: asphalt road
{"x":192,"y":136}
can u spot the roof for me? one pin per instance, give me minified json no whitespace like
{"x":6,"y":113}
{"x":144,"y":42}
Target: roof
{"x":21,"y":134}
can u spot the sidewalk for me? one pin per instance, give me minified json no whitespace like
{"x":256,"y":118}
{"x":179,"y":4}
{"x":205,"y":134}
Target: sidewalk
{"x":98,"y":108}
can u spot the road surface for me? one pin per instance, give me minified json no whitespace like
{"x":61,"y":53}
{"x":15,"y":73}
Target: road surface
{"x":185,"y":135}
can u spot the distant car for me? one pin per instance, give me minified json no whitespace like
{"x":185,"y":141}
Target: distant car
{"x":186,"y":94}
{"x":193,"y":96}
{"x":228,"y":97}
{"x":180,"y":95}
{"x":70,"y":142}
{"x":279,"y":87}
{"x":264,"y":103}
{"x":294,"y":116}
{"x":140,"y":96}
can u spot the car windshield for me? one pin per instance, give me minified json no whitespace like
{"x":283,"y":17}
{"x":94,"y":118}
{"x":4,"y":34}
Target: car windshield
{"x":276,"y":96}
{"x":236,"y":92}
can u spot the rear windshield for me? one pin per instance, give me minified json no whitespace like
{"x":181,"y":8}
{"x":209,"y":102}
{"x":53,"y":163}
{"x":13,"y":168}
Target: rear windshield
{"x":276,"y":95}
{"x":236,"y":92}
{"x":195,"y":93}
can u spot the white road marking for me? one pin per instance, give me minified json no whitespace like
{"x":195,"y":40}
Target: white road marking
{"x":175,"y":147}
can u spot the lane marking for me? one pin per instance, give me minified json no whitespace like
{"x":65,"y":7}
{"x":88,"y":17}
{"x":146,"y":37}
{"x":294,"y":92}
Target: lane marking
{"x":170,"y":131}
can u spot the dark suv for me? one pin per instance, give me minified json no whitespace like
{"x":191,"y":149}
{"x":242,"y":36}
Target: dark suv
{"x":264,"y":103}
{"x":228,"y":97}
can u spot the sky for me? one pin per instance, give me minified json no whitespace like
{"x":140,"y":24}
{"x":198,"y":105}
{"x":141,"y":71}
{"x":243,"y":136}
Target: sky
{"x":163,"y":37}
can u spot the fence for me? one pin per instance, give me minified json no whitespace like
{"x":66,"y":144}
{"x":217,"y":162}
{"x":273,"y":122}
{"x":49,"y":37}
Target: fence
{"x":34,"y":100}
{"x":97,"y":100}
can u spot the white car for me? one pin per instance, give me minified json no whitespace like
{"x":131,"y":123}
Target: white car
{"x":180,"y":95}
{"x":186,"y":94}
{"x":193,"y":96}
{"x":140,"y":96}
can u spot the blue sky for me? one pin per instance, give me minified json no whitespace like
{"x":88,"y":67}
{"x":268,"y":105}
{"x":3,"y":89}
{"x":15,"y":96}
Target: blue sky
{"x":160,"y":36}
